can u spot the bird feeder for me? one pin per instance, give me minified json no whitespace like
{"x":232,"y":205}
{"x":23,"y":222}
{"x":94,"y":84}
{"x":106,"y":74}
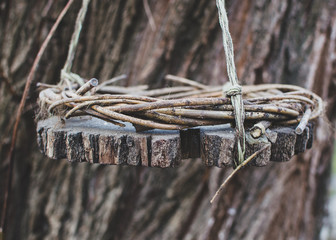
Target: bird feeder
{"x":84,"y":121}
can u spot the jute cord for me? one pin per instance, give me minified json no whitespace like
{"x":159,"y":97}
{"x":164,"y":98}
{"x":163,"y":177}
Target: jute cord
{"x":235,"y":90}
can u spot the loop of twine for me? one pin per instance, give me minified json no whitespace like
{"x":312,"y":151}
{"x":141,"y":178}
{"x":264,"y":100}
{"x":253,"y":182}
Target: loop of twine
{"x":235,"y":90}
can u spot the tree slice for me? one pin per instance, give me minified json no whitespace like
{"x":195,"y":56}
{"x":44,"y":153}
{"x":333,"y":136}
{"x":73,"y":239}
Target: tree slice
{"x":88,"y":139}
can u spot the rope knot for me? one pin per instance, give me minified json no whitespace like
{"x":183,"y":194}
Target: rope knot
{"x":229,"y":90}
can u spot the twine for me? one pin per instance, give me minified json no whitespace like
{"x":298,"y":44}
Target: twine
{"x":66,"y":74}
{"x":234,"y":91}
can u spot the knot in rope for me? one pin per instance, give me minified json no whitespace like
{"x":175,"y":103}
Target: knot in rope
{"x":229,"y":90}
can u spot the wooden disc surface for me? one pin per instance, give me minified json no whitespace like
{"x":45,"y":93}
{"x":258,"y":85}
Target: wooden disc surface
{"x":88,"y":139}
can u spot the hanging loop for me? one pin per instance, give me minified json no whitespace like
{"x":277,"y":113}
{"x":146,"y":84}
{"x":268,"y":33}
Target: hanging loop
{"x":235,"y":90}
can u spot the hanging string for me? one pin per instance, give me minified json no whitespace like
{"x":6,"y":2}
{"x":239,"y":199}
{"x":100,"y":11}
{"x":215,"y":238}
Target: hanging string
{"x":66,"y":74}
{"x":233,"y":89}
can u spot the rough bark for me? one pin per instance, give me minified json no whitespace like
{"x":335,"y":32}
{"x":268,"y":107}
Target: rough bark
{"x":87,"y":139}
{"x":276,"y":41}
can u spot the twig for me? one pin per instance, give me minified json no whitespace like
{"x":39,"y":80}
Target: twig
{"x":210,"y":91}
{"x":186,"y":81}
{"x":21,"y":108}
{"x":303,"y":123}
{"x":279,"y":98}
{"x":259,"y":129}
{"x":134,"y":120}
{"x":172,"y":103}
{"x":235,"y":171}
{"x":136,"y":90}
{"x":45,"y":85}
{"x":87,"y":87}
{"x":171,"y":119}
{"x":253,"y":108}
{"x":164,"y":91}
{"x":110,"y":81}
{"x":99,"y":97}
{"x":107,"y":102}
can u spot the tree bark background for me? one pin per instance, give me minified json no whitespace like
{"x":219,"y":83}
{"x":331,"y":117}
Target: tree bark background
{"x":275,"y":42}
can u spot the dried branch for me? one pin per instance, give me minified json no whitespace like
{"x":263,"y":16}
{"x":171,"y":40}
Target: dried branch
{"x":244,"y":163}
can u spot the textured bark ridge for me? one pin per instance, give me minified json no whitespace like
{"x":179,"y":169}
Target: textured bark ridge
{"x":275,"y":42}
{"x":86,"y":139}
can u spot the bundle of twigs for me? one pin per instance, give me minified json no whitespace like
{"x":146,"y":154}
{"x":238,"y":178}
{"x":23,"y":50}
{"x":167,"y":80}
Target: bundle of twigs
{"x":179,"y":107}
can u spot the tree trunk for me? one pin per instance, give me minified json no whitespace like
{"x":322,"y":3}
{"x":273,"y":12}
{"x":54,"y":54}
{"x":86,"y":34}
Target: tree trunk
{"x":275,"y":42}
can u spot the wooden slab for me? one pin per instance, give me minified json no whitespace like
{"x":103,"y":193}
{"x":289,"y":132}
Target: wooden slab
{"x":87,"y":139}
{"x":218,"y":146}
